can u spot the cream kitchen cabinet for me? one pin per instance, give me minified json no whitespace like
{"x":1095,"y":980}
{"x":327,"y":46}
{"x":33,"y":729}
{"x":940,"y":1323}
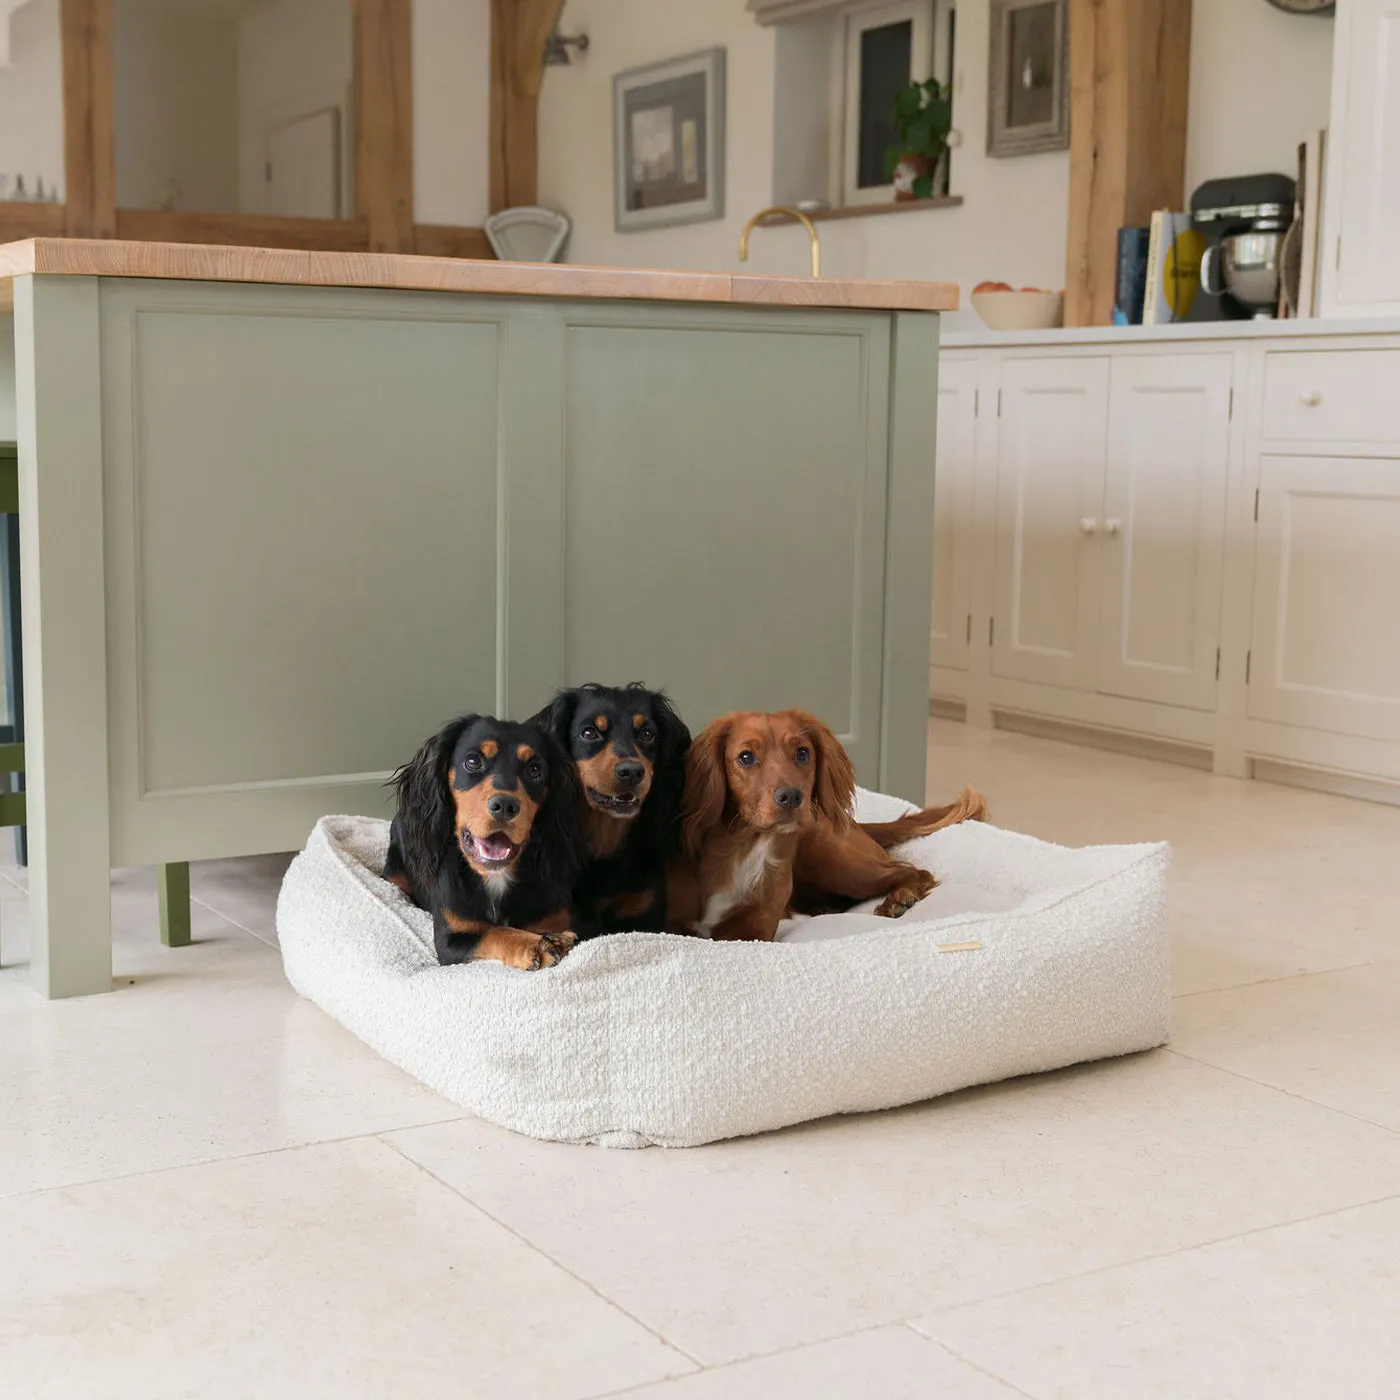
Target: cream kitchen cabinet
{"x":1184,"y":540}
{"x":1110,"y":524}
{"x":1161,"y":538}
{"x":1325,"y":640}
{"x":955,"y":481}
{"x":1360,"y":246}
{"x":1051,"y":435}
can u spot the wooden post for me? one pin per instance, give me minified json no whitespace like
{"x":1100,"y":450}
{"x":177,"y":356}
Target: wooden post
{"x":1129,"y":80}
{"x":89,"y":154}
{"x":519,"y":29}
{"x":384,"y":122}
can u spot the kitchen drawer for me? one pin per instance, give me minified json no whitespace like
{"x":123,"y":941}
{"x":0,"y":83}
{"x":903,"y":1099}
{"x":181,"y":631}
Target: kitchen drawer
{"x":1332,"y":395}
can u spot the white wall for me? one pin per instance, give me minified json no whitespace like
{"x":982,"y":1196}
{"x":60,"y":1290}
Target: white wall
{"x":31,"y":99}
{"x":290,"y":53}
{"x":1261,"y":81}
{"x":175,"y":106}
{"x":1011,"y":226}
{"x":451,"y":111}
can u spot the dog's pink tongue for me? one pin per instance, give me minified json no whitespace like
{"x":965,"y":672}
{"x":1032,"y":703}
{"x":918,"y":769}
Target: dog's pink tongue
{"x":496,"y":846}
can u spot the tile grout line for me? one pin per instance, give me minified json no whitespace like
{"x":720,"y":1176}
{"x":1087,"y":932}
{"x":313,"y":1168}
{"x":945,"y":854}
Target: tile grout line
{"x":1278,"y":1089}
{"x":1273,"y":981}
{"x":969,"y":1362}
{"x":1143,"y":1259}
{"x":373,"y":1134}
{"x":228,"y":919}
{"x":536,"y":1249}
{"x":720,"y":1366}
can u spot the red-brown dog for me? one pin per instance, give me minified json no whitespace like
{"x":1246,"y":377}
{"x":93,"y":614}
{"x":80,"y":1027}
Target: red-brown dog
{"x":767,"y":827}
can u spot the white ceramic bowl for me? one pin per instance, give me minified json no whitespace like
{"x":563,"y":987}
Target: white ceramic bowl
{"x":1020,"y":311}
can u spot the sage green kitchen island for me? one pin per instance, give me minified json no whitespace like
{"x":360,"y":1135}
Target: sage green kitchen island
{"x":284,"y":513}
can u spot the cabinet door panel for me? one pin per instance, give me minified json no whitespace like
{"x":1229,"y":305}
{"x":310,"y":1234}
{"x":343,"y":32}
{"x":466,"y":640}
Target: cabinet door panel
{"x":953,"y":521}
{"x":725,"y":497}
{"x":1164,"y":527}
{"x":1050,"y":471}
{"x":1363,"y":274}
{"x":1326,"y":643}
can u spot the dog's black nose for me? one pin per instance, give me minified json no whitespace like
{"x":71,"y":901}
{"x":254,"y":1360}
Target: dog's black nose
{"x":788,"y":798}
{"x":503,"y":806}
{"x":630,"y":774}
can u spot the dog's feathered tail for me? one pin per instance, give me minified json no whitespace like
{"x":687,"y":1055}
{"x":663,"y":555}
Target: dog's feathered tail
{"x":970,"y":806}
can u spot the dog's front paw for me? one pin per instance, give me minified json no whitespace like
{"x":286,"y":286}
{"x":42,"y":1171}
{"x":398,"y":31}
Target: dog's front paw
{"x":552,"y":947}
{"x":900,"y":901}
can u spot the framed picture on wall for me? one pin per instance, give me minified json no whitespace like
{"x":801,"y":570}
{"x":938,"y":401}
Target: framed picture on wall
{"x":668,"y":142}
{"x":1028,"y":77}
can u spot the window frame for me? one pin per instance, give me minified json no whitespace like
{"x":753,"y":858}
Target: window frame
{"x":854,"y":23}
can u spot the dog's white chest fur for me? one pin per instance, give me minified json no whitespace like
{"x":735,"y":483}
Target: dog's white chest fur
{"x":743,"y":881}
{"x":496,"y":887}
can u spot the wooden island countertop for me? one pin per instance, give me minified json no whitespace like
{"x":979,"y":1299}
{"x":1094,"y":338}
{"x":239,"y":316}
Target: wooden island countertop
{"x":73,"y":257}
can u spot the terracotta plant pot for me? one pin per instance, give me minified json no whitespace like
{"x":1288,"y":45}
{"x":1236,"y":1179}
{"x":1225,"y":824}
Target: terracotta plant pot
{"x":908,"y":170}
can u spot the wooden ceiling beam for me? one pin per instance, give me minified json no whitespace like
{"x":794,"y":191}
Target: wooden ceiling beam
{"x":1130,"y":68}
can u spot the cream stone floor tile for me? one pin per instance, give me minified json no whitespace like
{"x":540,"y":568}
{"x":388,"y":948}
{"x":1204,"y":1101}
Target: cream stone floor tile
{"x":1305,"y":1311}
{"x":886,"y":1363}
{"x":243,"y":891}
{"x":747,"y":1247}
{"x":199,"y":1053}
{"x":1333,"y":1038}
{"x":337,"y":1271}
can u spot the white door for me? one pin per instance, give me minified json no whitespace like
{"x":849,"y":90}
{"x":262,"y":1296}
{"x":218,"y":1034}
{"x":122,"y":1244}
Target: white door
{"x":1162,"y":535}
{"x":303,"y":166}
{"x":954,"y":481}
{"x":1325,"y":645}
{"x":1361,"y":254}
{"x":1050,"y":479}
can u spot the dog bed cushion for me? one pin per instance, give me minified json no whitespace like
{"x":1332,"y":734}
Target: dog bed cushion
{"x":644,"y":1038}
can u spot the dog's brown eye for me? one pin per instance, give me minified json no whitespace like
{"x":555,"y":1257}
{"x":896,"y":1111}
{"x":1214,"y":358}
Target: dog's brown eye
{"x":589,"y":734}
{"x":747,"y":758}
{"x":647,"y":734}
{"x":535,"y":772}
{"x":473,"y":763}
{"x":804,"y":754}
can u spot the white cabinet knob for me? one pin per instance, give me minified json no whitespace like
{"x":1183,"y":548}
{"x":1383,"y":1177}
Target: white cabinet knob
{"x":1113,"y":526}
{"x":1312,"y":398}
{"x":1088,"y":525}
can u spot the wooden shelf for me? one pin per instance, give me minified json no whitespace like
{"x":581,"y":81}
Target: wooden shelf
{"x":862,"y":211}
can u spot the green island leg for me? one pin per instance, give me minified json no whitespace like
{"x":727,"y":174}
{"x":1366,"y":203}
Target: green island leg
{"x":173,"y":887}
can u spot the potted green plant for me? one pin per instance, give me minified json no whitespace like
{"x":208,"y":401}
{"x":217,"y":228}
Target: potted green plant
{"x":923,"y":117}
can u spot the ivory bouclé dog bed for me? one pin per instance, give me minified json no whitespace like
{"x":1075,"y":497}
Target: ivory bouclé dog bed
{"x":1029,"y":957}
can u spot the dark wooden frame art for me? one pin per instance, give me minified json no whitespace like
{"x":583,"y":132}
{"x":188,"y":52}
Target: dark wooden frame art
{"x":1003,"y":140}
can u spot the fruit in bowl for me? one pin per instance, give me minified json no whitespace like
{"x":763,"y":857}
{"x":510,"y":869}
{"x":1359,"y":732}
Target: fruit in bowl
{"x":1003,"y":308}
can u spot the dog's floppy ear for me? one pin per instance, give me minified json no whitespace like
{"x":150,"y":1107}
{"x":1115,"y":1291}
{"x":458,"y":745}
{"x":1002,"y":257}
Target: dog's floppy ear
{"x":426,"y":811}
{"x":672,"y":745}
{"x":557,"y":834}
{"x":556,"y":717}
{"x":706,"y":785}
{"x":834,"y":791}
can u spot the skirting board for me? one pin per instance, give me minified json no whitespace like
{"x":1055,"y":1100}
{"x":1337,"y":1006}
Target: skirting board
{"x":1099,"y":737}
{"x":946,"y":707}
{"x":1274,"y":770}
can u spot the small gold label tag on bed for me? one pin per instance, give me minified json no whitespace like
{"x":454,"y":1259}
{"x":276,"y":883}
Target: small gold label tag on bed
{"x":959,"y":947}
